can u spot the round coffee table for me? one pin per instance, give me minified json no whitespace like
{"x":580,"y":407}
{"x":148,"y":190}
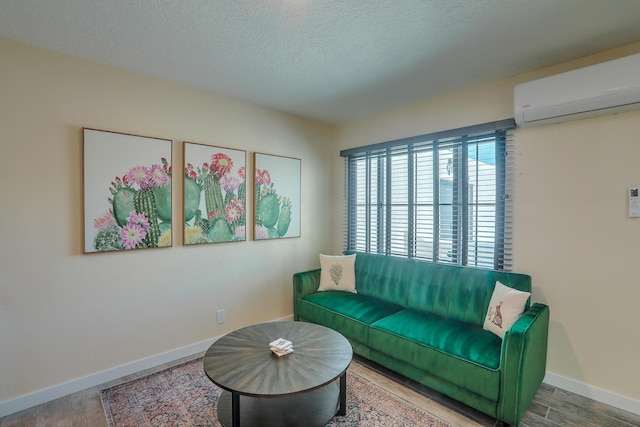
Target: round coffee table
{"x":263,"y":389}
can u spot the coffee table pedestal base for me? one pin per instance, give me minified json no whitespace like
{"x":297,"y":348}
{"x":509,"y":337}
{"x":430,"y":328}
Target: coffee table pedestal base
{"x":310,"y":409}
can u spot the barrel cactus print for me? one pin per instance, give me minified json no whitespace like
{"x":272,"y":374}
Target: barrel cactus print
{"x":214,"y":195}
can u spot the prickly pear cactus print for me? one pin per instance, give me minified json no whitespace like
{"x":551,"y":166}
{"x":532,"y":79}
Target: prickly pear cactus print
{"x":191,"y":198}
{"x":123,"y":204}
{"x":269,"y":210}
{"x":275,"y":211}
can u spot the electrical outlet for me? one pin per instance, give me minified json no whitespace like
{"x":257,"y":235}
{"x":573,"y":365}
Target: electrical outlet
{"x":222,"y":316}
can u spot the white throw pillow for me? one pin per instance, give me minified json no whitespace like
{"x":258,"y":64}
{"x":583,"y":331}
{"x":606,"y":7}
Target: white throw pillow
{"x":506,"y":306}
{"x":338,"y":273}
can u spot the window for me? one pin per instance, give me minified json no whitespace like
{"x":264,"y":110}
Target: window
{"x":440,"y":197}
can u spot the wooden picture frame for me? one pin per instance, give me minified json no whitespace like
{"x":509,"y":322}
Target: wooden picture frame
{"x":126,"y":191}
{"x":277,"y":196}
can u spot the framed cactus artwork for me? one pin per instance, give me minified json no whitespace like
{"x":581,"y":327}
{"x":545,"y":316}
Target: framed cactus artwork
{"x":127,"y":191}
{"x":276,"y":197}
{"x":214,"y":196}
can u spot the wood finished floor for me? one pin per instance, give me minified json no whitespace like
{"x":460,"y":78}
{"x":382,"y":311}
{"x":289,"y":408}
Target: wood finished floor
{"x":552,"y":407}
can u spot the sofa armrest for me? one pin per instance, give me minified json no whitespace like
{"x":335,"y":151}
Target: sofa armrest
{"x":523,"y":363}
{"x":304,"y":283}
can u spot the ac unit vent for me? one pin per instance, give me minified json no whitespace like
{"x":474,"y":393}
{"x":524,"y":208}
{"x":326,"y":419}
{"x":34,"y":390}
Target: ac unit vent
{"x":600,"y":89}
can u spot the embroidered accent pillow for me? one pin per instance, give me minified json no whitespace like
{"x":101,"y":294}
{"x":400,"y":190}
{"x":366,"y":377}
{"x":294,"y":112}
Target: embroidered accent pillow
{"x":338,"y":273}
{"x":506,"y":306}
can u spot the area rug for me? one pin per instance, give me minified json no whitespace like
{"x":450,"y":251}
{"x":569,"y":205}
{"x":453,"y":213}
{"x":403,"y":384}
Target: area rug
{"x":184,"y":396}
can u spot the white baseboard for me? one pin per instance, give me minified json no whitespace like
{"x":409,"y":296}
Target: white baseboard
{"x":595,"y":393}
{"x":59,"y":390}
{"x":45,"y":395}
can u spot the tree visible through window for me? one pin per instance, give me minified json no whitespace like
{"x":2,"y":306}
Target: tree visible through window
{"x":439,"y":197}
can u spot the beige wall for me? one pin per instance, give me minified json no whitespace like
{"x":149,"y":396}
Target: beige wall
{"x":65,"y":315}
{"x":573,"y":235}
{"x":571,"y":230}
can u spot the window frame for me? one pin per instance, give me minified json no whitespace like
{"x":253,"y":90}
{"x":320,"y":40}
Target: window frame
{"x":378,"y":159}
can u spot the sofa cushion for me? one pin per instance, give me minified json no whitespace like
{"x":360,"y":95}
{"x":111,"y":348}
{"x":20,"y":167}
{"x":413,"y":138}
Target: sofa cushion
{"x":359,"y":307}
{"x":458,"y":352}
{"x":337,"y":273}
{"x":348,"y":313}
{"x":506,"y":306}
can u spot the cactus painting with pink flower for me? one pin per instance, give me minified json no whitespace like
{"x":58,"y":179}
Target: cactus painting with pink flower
{"x":214,"y":194}
{"x":127,"y":192}
{"x":277,"y":196}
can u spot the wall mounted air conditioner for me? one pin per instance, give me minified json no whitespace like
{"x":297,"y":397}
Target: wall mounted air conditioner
{"x":600,"y":89}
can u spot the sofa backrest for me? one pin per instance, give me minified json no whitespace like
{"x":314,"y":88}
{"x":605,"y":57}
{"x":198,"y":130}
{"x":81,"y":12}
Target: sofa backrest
{"x":461,"y":293}
{"x":383,"y":277}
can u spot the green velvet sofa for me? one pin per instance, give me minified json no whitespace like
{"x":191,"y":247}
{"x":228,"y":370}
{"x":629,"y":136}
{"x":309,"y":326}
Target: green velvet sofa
{"x":424,"y":320}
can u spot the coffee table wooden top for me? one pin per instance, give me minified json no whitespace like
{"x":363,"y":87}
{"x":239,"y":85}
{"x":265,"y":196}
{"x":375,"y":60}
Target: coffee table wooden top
{"x":241,"y":361}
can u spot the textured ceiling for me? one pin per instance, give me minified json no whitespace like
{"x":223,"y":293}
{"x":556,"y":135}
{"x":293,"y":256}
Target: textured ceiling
{"x":330,"y":60}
